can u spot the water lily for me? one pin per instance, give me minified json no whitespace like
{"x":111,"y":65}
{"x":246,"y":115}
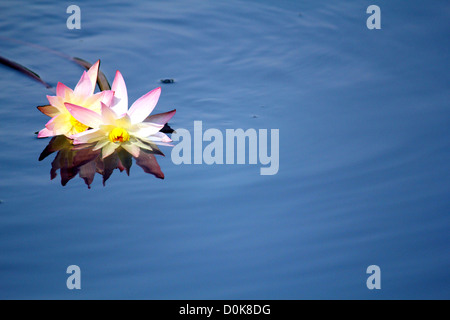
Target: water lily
{"x":117,"y":126}
{"x":62,"y":122}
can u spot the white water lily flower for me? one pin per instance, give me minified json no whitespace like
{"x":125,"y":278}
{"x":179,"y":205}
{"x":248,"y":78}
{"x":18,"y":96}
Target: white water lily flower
{"x":118,"y":126}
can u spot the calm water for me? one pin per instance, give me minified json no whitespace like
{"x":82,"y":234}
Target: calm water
{"x":364,"y":153}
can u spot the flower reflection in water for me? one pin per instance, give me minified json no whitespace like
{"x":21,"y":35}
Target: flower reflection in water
{"x":82,"y":160}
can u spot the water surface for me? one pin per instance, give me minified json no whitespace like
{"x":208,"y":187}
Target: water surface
{"x":364,"y":153}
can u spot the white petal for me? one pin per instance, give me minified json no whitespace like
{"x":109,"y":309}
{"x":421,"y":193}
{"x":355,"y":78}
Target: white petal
{"x":84,"y":88}
{"x":108,"y":149}
{"x":108,"y":115}
{"x":120,"y":101}
{"x":146,"y":129}
{"x":131,"y":148}
{"x":101,"y":143}
{"x":92,"y":74}
{"x":144,"y":106}
{"x":160,"y":136}
{"x":88,"y":136}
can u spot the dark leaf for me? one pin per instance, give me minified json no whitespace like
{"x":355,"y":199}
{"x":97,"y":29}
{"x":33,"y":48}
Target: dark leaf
{"x":24,"y":70}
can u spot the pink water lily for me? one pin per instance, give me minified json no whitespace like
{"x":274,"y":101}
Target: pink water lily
{"x":117,"y":126}
{"x":62,"y":122}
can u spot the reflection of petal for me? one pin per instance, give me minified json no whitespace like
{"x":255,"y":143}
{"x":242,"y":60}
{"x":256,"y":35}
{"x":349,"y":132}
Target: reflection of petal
{"x":83,"y":156}
{"x":121,"y":167}
{"x":148,"y":163}
{"x":109,"y":164}
{"x":148,"y":145}
{"x":125,"y":160}
{"x":67,"y":174}
{"x":68,"y":159}
{"x":82,"y":146}
{"x":56,"y":143}
{"x":63,"y":162}
{"x":82,"y":160}
{"x":47,"y":151}
{"x":87,"y":172}
{"x":55,"y":166}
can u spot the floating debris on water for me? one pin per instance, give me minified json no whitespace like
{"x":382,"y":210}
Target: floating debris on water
{"x":167,"y":80}
{"x":167,"y":129}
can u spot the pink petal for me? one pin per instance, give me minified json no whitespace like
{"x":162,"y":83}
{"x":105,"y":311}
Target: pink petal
{"x":84,"y":87}
{"x":144,"y":106}
{"x":120,"y":101}
{"x":93,"y":102}
{"x":107,"y":97}
{"x":51,"y":123}
{"x":85,"y":116}
{"x":61,"y":90}
{"x":161,"y":118}
{"x":108,"y":115}
{"x":56,"y":101}
{"x":92,"y":74}
{"x":59,"y":125}
{"x":45,"y":133}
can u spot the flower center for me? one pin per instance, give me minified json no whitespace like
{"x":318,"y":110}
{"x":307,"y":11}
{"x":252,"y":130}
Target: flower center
{"x":79,"y":127}
{"x":119,"y":135}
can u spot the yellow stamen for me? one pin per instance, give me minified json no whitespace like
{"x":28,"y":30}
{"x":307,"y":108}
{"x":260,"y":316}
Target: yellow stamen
{"x":78,"y":126}
{"x":119,"y":135}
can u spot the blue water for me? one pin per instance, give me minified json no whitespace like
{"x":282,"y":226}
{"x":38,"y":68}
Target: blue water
{"x":364,"y":174}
